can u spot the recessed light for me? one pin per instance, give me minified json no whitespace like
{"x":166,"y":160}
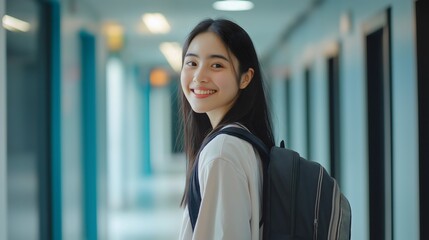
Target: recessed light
{"x":14,"y":24}
{"x":233,"y":5}
{"x":156,"y":23}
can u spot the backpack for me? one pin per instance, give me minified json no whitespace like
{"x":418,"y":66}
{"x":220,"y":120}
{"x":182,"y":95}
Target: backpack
{"x":300,"y":199}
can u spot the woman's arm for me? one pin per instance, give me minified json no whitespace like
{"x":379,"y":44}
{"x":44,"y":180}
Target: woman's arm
{"x":225,"y":210}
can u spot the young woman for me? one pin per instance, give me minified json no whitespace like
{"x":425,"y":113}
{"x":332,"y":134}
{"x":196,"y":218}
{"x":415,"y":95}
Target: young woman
{"x":222,"y":86}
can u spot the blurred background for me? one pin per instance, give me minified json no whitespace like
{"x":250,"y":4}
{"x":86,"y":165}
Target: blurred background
{"x":89,"y":132}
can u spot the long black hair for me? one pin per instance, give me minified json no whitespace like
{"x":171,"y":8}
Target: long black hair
{"x":250,"y":108}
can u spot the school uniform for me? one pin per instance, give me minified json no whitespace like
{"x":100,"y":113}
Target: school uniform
{"x":230,"y":178}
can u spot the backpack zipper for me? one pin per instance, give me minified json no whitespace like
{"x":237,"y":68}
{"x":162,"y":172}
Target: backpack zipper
{"x":317,"y":205}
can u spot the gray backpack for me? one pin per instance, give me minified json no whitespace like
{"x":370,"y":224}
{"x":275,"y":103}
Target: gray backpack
{"x":301,"y":200}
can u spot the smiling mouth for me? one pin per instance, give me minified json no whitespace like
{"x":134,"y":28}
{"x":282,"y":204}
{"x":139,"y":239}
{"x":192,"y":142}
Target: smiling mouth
{"x":203,"y":92}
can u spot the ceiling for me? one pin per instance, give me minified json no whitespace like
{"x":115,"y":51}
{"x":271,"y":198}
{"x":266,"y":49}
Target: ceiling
{"x":264,"y":23}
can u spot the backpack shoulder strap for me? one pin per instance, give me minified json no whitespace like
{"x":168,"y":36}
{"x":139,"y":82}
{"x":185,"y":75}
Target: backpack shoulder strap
{"x":249,"y":137}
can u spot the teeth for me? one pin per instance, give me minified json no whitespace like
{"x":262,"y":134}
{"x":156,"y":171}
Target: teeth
{"x":204,"y":92}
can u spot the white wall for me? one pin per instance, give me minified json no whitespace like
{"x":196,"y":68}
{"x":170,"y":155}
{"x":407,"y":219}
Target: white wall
{"x":71,"y":130}
{"x":132,"y":154}
{"x":405,"y":130}
{"x":307,"y":46}
{"x":3,"y":166}
{"x":278,"y":111}
{"x":160,"y":134}
{"x":102,"y":187}
{"x":74,"y":18}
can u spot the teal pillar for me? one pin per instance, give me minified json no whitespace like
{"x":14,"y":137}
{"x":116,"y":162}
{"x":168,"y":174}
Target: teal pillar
{"x":146,"y":88}
{"x":53,"y":22}
{"x":89,"y":134}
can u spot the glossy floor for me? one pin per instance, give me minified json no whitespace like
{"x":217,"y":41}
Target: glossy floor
{"x":157,"y":214}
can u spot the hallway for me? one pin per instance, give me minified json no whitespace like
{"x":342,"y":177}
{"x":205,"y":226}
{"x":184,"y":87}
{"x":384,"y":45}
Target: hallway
{"x":156,"y":214}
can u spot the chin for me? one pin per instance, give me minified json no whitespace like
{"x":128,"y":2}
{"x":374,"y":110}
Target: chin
{"x":198,"y":110}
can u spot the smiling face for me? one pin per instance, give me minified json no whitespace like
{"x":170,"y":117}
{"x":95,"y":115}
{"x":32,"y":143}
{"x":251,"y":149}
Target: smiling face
{"x":209,"y":78}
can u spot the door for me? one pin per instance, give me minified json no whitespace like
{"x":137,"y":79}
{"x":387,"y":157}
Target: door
{"x":422,"y":26}
{"x":379,"y":122}
{"x":32,"y":114}
{"x":333,"y":75}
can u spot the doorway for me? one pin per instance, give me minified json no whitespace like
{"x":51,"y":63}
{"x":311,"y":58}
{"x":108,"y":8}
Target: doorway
{"x":308,"y":110}
{"x":422,"y":26}
{"x":33,"y":121}
{"x":28,"y":191}
{"x":379,"y":122}
{"x":333,"y":75}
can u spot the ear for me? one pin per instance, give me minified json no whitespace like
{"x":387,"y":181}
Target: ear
{"x":246,"y":78}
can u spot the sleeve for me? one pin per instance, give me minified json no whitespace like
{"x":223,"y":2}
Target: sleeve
{"x":225,"y":210}
{"x":186,"y":228}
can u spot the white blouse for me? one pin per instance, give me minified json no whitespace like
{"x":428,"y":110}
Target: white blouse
{"x":230,"y":177}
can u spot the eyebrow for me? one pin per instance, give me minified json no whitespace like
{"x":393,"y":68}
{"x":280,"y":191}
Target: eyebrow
{"x":210,"y":56}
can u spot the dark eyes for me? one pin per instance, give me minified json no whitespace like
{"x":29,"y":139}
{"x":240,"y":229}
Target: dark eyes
{"x":216,"y":65}
{"x":194,"y":64}
{"x":191,"y":63}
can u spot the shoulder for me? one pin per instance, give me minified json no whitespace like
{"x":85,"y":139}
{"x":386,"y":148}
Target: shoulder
{"x":225,"y":157}
{"x":227,"y":148}
{"x":227,"y":145}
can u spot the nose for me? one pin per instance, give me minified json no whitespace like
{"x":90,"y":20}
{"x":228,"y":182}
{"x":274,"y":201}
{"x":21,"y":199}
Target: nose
{"x":200,"y":76}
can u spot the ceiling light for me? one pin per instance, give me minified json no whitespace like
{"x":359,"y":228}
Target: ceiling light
{"x":113,"y":29}
{"x":15,"y":24}
{"x":233,"y":5}
{"x":173,"y":53}
{"x":114,"y":34}
{"x":156,"y":23}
